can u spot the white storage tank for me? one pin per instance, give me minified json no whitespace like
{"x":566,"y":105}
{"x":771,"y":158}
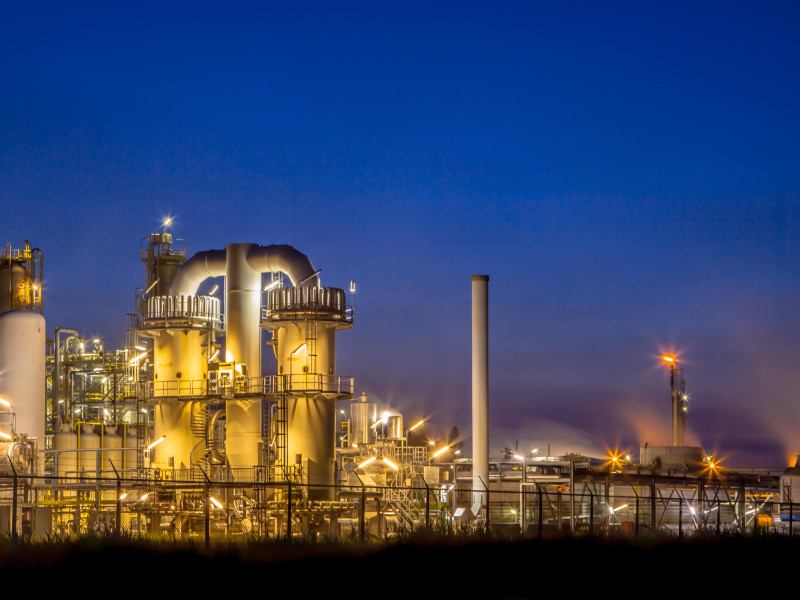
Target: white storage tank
{"x":130,"y":439}
{"x":66,"y":439}
{"x":22,"y":372}
{"x":111,"y":454}
{"x":88,"y":440}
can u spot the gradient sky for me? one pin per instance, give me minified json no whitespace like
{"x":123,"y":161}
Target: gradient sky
{"x":626,"y":173}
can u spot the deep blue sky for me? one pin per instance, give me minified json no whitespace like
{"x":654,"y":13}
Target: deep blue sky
{"x":627,"y":174}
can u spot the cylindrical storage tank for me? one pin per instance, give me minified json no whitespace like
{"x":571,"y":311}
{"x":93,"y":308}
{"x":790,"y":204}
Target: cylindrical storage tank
{"x":173,"y":419}
{"x":311,"y":440}
{"x":88,"y":440}
{"x":112,"y":457}
{"x":362,"y":416}
{"x":22,"y":372}
{"x":308,"y":360}
{"x":180,"y":365}
{"x":394,"y":429}
{"x":67,"y":462}
{"x":12,"y":284}
{"x":243,"y":442}
{"x":130,"y":440}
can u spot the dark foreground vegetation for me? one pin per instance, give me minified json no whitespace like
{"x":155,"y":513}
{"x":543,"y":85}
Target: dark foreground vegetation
{"x":419,"y":566}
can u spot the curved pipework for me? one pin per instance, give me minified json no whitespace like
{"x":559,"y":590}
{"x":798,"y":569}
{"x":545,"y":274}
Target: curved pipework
{"x":284,"y":259}
{"x":261,"y":259}
{"x":215,"y":452}
{"x":209,"y":263}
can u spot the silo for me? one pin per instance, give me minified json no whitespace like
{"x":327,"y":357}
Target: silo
{"x":112,"y":456}
{"x":22,"y":372}
{"x":88,"y":440}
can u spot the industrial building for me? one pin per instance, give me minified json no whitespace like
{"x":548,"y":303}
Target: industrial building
{"x":224,"y":413}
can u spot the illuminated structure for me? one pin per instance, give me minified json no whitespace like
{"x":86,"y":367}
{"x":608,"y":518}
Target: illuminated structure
{"x":190,"y":426}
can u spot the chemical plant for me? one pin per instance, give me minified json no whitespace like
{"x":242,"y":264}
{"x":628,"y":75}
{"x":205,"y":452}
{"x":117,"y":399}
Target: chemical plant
{"x":224,"y":414}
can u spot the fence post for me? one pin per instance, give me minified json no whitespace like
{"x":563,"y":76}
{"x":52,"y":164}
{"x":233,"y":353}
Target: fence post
{"x":636,"y":526}
{"x":119,"y":502}
{"x":289,"y":510}
{"x":13,"y":503}
{"x":591,"y":513}
{"x":541,"y":516}
{"x":680,"y":518}
{"x":791,"y":517}
{"x":427,"y":504}
{"x":362,"y":521}
{"x":719,"y":510}
{"x":207,"y":516}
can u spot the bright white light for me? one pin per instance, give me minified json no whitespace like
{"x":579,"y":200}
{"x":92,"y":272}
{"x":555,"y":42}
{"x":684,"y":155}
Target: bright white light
{"x":352,"y":287}
{"x":518,"y":457}
{"x":142,"y":348}
{"x":213,"y":356}
{"x":441,"y":451}
{"x":613,"y":510}
{"x":137,"y":358}
{"x":215,"y":502}
{"x":5,"y":403}
{"x":416,"y":425}
{"x":96,"y":340}
{"x":391,"y":464}
{"x":5,"y":436}
{"x":151,"y":286}
{"x":156,"y":443}
{"x":370,"y":460}
{"x":167,"y":222}
{"x":123,"y":496}
{"x":299,"y":350}
{"x":269,"y":286}
{"x":214,"y":289}
{"x":143,"y":498}
{"x":691,"y":510}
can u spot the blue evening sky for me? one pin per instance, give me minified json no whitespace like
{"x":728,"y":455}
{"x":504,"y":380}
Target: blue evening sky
{"x":626,"y":173}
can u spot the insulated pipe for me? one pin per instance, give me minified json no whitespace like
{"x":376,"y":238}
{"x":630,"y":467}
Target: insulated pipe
{"x":212,"y":422}
{"x":242,"y":310}
{"x":57,"y":368}
{"x":480,"y":395}
{"x":284,"y":259}
{"x":262,"y":259}
{"x":210,"y":263}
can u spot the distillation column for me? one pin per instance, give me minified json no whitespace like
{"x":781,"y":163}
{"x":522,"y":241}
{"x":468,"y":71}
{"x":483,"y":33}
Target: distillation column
{"x":305,"y":321}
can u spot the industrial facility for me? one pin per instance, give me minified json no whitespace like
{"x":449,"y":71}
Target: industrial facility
{"x":224,"y":414}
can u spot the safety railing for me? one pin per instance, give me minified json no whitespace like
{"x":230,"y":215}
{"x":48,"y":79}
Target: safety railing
{"x":271,"y":384}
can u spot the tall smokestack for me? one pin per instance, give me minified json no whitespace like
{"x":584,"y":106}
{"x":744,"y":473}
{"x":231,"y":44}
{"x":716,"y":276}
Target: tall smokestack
{"x":480,"y":394}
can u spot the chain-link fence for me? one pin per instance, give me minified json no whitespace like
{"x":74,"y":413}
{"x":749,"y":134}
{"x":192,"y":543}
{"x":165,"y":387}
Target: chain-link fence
{"x":245,"y":505}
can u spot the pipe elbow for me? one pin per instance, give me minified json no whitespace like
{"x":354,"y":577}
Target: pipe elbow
{"x":286,"y":259}
{"x":210,"y":263}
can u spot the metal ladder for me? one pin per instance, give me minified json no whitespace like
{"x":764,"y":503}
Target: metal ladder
{"x":281,"y":437}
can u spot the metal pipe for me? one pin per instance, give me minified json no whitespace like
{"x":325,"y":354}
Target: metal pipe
{"x":211,"y":423}
{"x":480,"y":394}
{"x":57,"y":366}
{"x":261,"y":259}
